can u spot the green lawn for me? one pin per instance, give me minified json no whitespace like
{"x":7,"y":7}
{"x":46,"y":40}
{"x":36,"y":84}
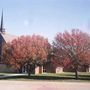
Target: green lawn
{"x":66,"y":76}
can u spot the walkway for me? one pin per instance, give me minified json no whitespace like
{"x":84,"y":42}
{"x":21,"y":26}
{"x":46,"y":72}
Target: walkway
{"x":42,"y":85}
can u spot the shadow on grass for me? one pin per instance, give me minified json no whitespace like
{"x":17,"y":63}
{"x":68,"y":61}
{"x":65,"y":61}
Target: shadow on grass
{"x":46,"y":76}
{"x":37,"y":77}
{"x":42,"y":78}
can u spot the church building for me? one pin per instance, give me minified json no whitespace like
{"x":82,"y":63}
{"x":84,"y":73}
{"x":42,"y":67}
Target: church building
{"x":4,"y":38}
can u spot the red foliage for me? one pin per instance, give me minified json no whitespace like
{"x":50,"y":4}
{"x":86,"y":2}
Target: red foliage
{"x":73,"y":47}
{"x":32,"y":49}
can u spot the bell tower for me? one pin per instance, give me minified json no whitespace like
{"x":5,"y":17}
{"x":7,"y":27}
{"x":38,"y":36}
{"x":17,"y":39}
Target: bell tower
{"x":2,"y":30}
{"x":2,"y":41}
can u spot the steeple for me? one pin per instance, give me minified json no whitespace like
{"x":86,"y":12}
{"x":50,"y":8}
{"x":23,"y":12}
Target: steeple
{"x":2,"y":30}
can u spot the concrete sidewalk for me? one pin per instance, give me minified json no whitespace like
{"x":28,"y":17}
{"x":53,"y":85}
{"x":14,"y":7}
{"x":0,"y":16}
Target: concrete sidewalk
{"x":42,"y":85}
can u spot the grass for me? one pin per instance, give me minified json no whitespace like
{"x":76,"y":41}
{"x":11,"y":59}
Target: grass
{"x":65,"y":76}
{"x":47,"y":76}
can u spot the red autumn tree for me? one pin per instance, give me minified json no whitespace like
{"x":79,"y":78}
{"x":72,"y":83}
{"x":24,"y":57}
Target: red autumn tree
{"x":30,"y":50}
{"x":14,"y":53}
{"x":72,"y":47}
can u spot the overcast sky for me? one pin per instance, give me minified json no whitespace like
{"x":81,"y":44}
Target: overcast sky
{"x":45,"y":17}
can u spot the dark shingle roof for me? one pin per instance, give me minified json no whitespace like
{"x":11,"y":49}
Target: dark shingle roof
{"x":8,"y":37}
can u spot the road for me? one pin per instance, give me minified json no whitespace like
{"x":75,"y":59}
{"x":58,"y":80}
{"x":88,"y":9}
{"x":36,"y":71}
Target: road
{"x":42,"y":85}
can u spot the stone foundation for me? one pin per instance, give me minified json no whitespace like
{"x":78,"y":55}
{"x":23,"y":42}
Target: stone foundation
{"x":59,"y":69}
{"x":4,"y":68}
{"x":89,"y":69}
{"x":39,"y":70}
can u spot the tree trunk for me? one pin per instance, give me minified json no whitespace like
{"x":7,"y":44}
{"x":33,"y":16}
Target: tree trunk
{"x":76,"y":74}
{"x":20,"y":69}
{"x":29,"y":73}
{"x":29,"y":70}
{"x":76,"y":69}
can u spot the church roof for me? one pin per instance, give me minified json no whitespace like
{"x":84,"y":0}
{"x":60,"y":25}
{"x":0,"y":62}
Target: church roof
{"x":8,"y":37}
